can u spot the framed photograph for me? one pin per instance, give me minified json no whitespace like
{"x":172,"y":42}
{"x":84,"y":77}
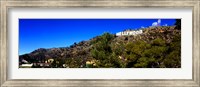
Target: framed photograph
{"x":99,"y":43}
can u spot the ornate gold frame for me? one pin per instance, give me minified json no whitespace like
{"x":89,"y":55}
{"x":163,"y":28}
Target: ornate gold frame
{"x":6,"y":4}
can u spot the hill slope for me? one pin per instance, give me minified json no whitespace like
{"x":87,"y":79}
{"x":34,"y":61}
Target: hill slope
{"x":156,"y":47}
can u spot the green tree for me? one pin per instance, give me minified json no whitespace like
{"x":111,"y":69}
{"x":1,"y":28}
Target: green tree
{"x":102,"y":50}
{"x":178,"y":24}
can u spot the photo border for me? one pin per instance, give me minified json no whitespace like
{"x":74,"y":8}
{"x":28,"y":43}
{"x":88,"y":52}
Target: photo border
{"x":7,"y":4}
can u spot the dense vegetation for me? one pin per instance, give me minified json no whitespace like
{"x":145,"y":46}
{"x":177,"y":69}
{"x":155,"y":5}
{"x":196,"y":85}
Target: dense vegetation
{"x":157,"y":47}
{"x":142,"y":53}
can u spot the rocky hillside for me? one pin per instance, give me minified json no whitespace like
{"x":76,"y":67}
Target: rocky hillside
{"x":157,"y":47}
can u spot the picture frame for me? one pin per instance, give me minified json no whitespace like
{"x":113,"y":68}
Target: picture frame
{"x":7,"y":4}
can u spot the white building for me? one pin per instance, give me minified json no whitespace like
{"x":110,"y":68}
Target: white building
{"x":158,"y":23}
{"x":26,"y":65}
{"x":129,"y":32}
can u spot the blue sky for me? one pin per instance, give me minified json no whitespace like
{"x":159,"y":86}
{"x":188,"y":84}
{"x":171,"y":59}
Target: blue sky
{"x":50,"y":33}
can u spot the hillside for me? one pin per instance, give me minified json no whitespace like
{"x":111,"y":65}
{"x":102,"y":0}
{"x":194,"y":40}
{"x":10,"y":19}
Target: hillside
{"x":156,"y":47}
